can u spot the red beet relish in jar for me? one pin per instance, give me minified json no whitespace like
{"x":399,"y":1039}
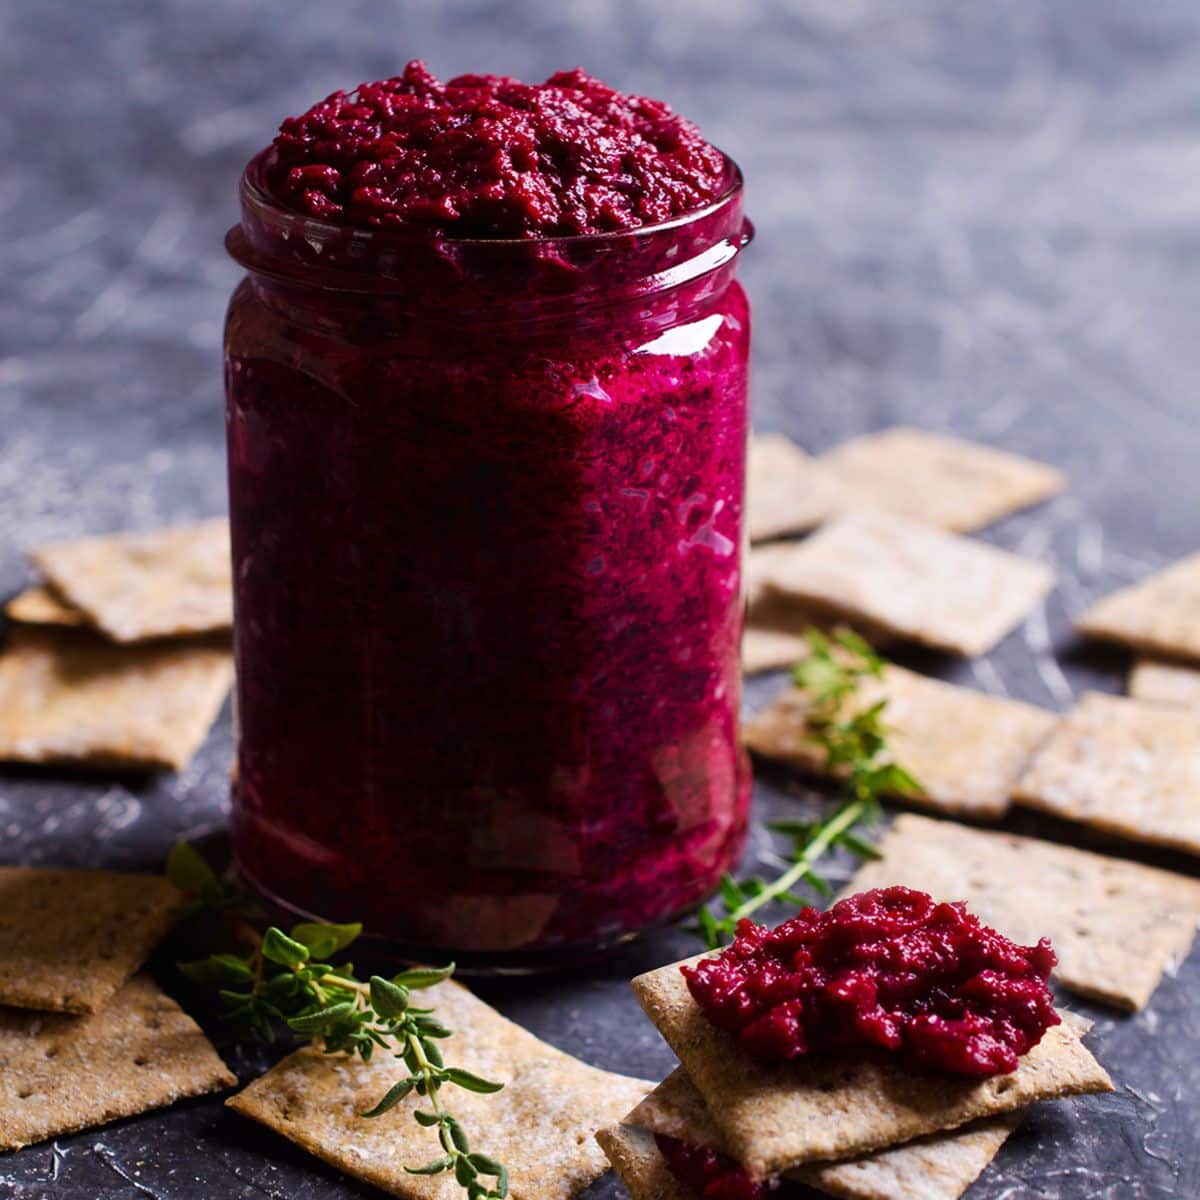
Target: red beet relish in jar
{"x":486,"y":490}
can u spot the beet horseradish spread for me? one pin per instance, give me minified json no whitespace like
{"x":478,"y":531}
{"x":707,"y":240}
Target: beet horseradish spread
{"x":887,"y":970}
{"x":486,"y":385}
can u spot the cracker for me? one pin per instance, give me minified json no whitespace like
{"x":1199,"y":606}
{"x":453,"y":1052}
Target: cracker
{"x":938,"y":1167}
{"x":787,"y":491}
{"x":69,"y":939}
{"x":144,"y":585}
{"x":913,"y":581}
{"x":1128,"y":767}
{"x":775,"y":1116}
{"x":938,"y":480}
{"x":1160,"y":615}
{"x":966,"y":748}
{"x":1115,"y":925}
{"x":40,"y":606}
{"x":72,"y":697}
{"x":636,"y":1159}
{"x":1165,"y":683}
{"x":64,"y":1073}
{"x":540,"y":1125}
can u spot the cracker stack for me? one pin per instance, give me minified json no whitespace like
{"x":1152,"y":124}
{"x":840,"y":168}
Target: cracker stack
{"x":121,"y":657}
{"x":851,"y":1126}
{"x":84,"y":1040}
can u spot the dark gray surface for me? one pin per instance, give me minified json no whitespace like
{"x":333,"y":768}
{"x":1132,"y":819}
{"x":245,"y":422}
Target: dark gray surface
{"x":971,"y":216}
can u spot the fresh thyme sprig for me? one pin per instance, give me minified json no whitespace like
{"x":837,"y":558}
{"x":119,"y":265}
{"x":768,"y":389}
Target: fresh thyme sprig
{"x":855,"y":743}
{"x":286,"y":979}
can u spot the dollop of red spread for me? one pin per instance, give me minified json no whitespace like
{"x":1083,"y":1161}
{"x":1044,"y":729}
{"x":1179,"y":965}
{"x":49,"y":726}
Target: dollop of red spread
{"x":489,"y":156}
{"x":707,"y":1174}
{"x":889,"y":970}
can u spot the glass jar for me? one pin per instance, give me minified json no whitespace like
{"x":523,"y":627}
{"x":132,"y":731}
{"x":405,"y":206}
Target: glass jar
{"x":486,"y":502}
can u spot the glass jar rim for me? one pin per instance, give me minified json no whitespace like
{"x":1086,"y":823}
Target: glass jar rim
{"x":257,"y":198}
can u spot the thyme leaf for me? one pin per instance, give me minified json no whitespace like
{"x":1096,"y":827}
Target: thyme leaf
{"x":855,"y":742}
{"x":285,"y":979}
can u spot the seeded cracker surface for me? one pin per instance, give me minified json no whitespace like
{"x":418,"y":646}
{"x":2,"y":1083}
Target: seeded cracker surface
{"x":911,"y":580}
{"x":64,"y":1073}
{"x":787,"y":491}
{"x":1128,"y":767}
{"x":966,"y":748}
{"x":68,"y":696}
{"x":777,"y":1116}
{"x":540,"y":1125}
{"x":962,"y":485}
{"x":136,"y":586}
{"x":69,"y":939}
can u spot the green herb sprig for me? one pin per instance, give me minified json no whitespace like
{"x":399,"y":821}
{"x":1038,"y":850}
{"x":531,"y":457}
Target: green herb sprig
{"x":286,"y":978}
{"x":855,"y":742}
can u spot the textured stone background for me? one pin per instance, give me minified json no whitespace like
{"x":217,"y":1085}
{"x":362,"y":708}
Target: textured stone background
{"x":971,"y":216}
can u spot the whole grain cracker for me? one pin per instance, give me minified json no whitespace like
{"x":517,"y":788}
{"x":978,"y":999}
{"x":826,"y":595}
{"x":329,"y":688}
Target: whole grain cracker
{"x":64,"y":1073}
{"x":135,"y":586}
{"x":71,"y":697}
{"x":1128,"y":767}
{"x":787,"y":491}
{"x":40,"y":606}
{"x":1165,"y":683}
{"x":1160,"y":615}
{"x":938,"y":480}
{"x":540,"y":1125}
{"x":775,"y":1116}
{"x":635,"y":1157}
{"x":1115,"y":925}
{"x":911,"y":580}
{"x":940,"y":1166}
{"x":966,"y":748}
{"x":69,"y":939}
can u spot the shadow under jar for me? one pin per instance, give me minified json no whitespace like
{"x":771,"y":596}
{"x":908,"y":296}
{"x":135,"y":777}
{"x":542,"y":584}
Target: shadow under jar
{"x":486,"y":501}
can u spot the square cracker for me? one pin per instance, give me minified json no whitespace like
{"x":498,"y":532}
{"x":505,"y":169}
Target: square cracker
{"x":540,"y":1125}
{"x":1160,"y":615}
{"x":787,"y":491}
{"x":63,"y":1073}
{"x":69,"y":939}
{"x":135,"y":586}
{"x":1115,"y":925}
{"x":775,"y":1116}
{"x":939,"y":480}
{"x":911,"y":580}
{"x":1128,"y":767}
{"x":71,"y":697}
{"x":40,"y":606}
{"x":966,"y":748}
{"x":1165,"y":683}
{"x":938,"y":1167}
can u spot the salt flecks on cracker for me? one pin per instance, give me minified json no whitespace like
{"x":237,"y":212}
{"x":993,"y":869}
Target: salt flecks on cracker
{"x":775,"y":1116}
{"x":1160,"y":615}
{"x":939,"y":480}
{"x":1115,"y":925}
{"x":1165,"y":683}
{"x":540,"y":1125}
{"x":938,"y":1167}
{"x":787,"y":491}
{"x":135,"y":586}
{"x":967,"y":749}
{"x":40,"y":606}
{"x":69,"y":696}
{"x":1128,"y":767}
{"x":64,"y":1073}
{"x":911,"y":580}
{"x":69,"y":939}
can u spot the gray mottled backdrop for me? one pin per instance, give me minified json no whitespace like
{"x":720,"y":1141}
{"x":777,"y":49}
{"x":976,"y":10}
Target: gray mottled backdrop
{"x":973,"y":216}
